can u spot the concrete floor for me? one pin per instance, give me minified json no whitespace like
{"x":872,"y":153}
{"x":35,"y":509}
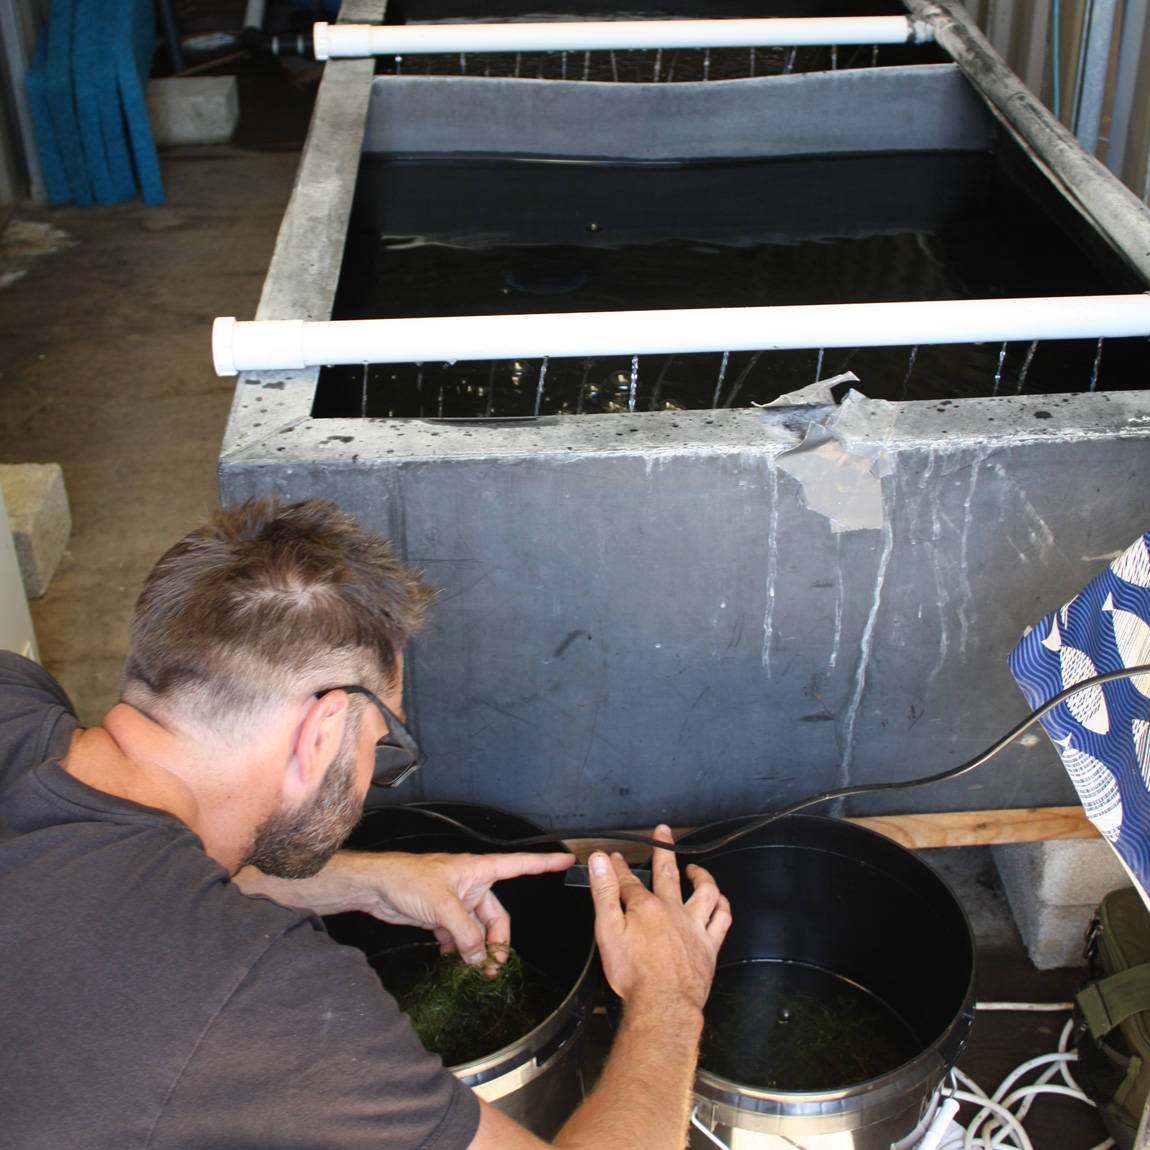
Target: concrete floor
{"x":105,"y":368}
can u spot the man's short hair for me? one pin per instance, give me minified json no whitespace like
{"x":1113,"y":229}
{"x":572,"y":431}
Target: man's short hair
{"x":266,"y":601}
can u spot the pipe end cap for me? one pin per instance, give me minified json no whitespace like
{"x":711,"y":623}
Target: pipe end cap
{"x":223,"y":345}
{"x":320,"y":40}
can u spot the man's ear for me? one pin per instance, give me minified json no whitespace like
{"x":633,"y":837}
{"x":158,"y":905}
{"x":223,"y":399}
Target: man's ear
{"x":318,"y":743}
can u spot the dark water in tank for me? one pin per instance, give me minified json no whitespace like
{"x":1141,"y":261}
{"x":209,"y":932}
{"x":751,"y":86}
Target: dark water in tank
{"x":789,"y":1026}
{"x":500,"y":236}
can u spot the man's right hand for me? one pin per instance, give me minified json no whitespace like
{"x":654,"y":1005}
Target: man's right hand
{"x":657,"y":951}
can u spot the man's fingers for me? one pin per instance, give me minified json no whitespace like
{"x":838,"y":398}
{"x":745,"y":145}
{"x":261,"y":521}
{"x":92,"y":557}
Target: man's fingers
{"x":702,"y":903}
{"x":630,"y":887}
{"x":707,"y":906}
{"x":496,"y":921}
{"x":664,"y":868}
{"x":465,"y":931}
{"x":499,"y":867}
{"x":604,"y":880}
{"x":720,"y":922}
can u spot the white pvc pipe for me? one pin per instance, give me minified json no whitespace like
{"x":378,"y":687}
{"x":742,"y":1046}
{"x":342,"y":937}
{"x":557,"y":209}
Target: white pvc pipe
{"x":278,"y":345}
{"x":355,"y":40}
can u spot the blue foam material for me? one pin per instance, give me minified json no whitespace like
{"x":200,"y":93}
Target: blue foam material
{"x":87,"y":43}
{"x":133,"y":48}
{"x":111,"y":115}
{"x":55,"y":177}
{"x":62,"y":101}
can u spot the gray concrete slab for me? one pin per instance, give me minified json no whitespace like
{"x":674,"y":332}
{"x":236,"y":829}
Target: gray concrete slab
{"x":39,"y":518}
{"x":187,"y":110}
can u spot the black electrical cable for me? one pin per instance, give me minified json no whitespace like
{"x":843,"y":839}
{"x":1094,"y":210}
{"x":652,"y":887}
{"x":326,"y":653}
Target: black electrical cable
{"x":761,"y":821}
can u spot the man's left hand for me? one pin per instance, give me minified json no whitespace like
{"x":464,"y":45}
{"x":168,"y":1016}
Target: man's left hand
{"x":447,"y":894}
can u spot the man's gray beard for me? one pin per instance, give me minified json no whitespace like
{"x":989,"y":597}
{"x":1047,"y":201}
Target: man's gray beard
{"x":299,"y":843}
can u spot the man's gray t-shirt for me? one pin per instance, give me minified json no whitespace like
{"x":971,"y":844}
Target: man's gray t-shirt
{"x":146,"y":1002}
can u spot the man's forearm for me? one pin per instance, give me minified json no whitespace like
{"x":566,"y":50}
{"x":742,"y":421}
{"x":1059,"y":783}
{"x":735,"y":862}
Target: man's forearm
{"x":643,"y":1099}
{"x":332,"y":891}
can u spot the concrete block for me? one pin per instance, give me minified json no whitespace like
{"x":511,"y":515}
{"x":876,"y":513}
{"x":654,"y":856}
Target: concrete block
{"x":40,"y":520}
{"x":193,"y":109}
{"x":16,"y":632}
{"x":1053,"y":889}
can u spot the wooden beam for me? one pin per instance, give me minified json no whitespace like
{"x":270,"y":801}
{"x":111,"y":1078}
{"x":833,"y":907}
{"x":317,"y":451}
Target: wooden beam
{"x":982,"y":828}
{"x":917,"y":832}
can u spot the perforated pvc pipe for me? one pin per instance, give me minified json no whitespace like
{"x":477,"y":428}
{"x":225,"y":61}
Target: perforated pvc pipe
{"x":333,"y":41}
{"x":276,"y":345}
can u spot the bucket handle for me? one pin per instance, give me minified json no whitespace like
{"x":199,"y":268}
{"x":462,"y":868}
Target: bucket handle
{"x":564,"y":1036}
{"x":705,"y":1132}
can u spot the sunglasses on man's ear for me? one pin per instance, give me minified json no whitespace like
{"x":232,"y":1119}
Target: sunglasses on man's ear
{"x":397,"y":754}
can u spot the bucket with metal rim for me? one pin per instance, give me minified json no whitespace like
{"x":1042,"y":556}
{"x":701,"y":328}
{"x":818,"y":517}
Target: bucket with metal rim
{"x":539,"y":1079}
{"x":846,"y":934}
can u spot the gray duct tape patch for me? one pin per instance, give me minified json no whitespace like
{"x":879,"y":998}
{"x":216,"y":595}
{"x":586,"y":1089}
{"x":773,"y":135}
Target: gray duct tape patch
{"x":842,"y":460}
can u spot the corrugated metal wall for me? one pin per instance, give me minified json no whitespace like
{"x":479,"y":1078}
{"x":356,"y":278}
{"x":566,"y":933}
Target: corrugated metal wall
{"x":1023,"y":32}
{"x":20,"y":23}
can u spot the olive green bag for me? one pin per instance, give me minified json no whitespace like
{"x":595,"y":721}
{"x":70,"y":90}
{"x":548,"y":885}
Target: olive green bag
{"x":1113,"y":1014}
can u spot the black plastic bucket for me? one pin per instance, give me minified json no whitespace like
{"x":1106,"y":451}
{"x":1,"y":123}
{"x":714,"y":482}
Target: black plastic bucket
{"x":827,"y":894}
{"x":538,"y":1080}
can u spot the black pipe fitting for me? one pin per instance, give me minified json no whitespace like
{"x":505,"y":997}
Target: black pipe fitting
{"x":260,"y":43}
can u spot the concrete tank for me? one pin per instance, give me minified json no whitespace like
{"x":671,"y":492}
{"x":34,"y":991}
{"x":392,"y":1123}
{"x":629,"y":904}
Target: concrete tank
{"x":658,"y":615}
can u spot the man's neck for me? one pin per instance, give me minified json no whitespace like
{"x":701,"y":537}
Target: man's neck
{"x":135,"y":758}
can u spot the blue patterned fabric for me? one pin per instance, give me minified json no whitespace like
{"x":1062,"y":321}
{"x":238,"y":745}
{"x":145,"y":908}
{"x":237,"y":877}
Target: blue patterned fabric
{"x":1102,"y":733}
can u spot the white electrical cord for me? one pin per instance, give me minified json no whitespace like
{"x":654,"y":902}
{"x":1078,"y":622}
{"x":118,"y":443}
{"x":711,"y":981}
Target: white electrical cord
{"x":997,"y":1122}
{"x":1051,"y":1007}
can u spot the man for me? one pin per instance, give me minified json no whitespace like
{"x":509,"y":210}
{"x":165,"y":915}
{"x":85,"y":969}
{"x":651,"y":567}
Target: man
{"x":164,"y":982}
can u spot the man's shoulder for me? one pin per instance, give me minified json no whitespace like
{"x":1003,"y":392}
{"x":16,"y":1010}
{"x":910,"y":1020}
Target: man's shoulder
{"x":19,"y":669}
{"x":36,"y":717}
{"x":26,"y":687}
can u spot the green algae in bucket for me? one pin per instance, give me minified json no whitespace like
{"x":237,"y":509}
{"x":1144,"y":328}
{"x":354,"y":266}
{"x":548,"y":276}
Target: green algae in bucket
{"x":792,"y":1027}
{"x":458,"y":1010}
